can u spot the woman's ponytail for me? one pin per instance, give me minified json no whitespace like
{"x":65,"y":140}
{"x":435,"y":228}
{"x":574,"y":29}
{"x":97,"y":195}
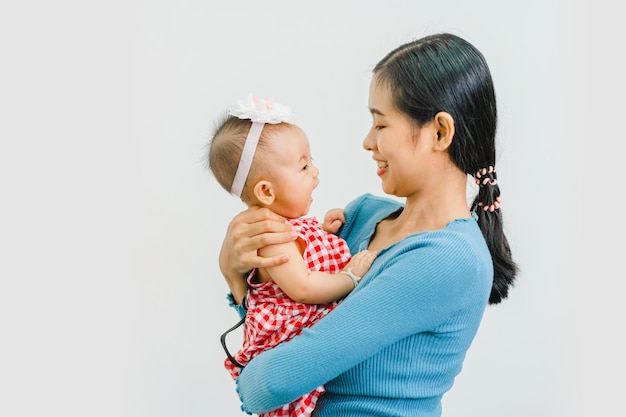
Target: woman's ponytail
{"x":486,"y":205}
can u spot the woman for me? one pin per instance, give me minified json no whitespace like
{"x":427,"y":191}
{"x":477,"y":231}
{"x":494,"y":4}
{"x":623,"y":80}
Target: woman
{"x":396,"y":343}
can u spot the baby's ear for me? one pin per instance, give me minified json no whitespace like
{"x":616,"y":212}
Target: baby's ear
{"x":264,"y":192}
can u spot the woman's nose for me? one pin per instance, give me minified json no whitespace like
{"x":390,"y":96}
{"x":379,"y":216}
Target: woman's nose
{"x":369,"y":142}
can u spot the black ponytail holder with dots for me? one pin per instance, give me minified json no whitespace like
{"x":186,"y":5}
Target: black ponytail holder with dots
{"x":487,"y":177}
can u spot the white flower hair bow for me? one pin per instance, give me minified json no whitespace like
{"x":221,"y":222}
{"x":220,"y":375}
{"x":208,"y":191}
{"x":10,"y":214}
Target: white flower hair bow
{"x":262,"y":111}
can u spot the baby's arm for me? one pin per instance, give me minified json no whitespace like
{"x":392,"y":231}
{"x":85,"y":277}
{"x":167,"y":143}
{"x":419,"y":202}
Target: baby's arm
{"x":313,"y":287}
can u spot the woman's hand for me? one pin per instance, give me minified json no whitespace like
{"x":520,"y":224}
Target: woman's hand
{"x":249,"y":231}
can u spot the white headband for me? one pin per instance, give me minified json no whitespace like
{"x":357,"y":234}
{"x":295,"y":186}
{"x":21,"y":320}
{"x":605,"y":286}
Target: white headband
{"x":259,"y":112}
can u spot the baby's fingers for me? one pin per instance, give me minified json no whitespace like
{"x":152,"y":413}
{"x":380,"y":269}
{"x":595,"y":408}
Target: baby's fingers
{"x":362,"y":261}
{"x":333,"y":220}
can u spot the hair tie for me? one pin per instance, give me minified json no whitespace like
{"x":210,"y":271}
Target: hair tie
{"x":259,"y":112}
{"x":486,"y":176}
{"x":491,"y":207}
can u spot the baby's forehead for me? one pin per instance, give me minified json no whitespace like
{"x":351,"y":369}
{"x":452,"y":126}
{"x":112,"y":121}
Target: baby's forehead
{"x":286,"y":128}
{"x":286,"y":132}
{"x":287,"y":140}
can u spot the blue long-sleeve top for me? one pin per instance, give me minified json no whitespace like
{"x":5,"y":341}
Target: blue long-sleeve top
{"x":394,"y":346}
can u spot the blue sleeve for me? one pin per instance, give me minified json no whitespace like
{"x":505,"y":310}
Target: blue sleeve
{"x":239,"y":308}
{"x":362,"y":215}
{"x":408,"y":294}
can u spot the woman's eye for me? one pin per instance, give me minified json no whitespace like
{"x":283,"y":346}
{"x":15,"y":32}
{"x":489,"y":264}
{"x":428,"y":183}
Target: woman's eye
{"x":379,"y":127}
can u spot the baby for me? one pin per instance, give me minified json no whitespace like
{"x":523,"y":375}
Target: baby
{"x":260,"y":156}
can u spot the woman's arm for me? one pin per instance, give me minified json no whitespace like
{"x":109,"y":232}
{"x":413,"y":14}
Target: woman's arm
{"x":402,"y":299}
{"x":249,"y":231}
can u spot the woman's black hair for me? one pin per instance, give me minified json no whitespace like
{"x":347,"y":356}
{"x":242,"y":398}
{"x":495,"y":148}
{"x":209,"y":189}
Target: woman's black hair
{"x":445,"y":73}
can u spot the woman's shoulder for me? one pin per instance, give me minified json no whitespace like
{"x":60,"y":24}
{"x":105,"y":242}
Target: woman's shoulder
{"x":461,"y":237}
{"x":459,"y":248}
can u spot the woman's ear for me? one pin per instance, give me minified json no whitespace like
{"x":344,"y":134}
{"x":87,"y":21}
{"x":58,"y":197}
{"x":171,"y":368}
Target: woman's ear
{"x":444,"y":125}
{"x":264,"y":192}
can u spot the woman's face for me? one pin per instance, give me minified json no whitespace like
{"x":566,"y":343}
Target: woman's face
{"x":399,"y":147}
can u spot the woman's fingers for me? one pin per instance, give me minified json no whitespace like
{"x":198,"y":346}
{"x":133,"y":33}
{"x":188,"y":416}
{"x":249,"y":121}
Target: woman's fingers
{"x":250,"y":231}
{"x":265,"y":226}
{"x":259,"y":241}
{"x":268,"y":262}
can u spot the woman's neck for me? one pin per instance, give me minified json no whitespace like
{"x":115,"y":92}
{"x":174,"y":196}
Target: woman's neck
{"x":428,"y":210}
{"x":435,"y":206}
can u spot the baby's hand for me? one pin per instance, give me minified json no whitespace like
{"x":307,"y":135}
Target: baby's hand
{"x":361,"y":262}
{"x":333,"y":220}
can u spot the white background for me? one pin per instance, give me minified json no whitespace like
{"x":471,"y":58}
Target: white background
{"x":111,"y":302}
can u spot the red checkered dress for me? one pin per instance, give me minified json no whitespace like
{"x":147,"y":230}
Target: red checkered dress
{"x":273,"y":317}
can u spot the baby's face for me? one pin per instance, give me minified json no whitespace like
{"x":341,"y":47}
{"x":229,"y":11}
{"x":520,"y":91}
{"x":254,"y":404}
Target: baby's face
{"x":293,"y":174}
